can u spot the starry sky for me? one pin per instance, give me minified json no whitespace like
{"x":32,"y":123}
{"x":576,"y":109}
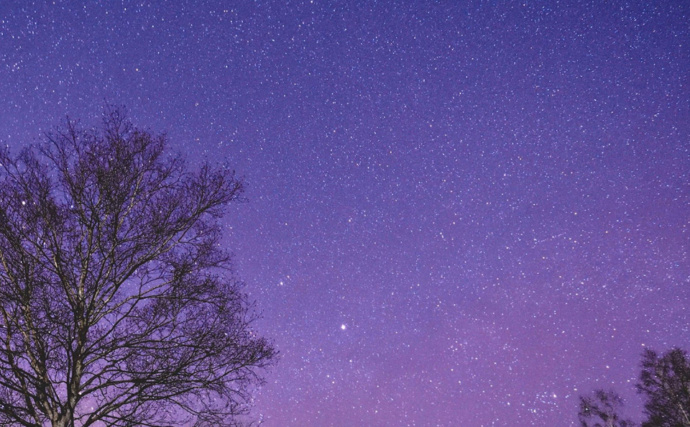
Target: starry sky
{"x":459,"y":212}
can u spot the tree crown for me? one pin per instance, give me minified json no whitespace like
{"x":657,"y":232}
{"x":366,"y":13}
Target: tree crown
{"x":118,"y":305}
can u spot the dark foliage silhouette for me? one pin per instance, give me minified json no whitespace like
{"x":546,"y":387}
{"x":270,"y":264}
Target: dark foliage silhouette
{"x":665,"y":382}
{"x":118,"y":306}
{"x":601,"y":410}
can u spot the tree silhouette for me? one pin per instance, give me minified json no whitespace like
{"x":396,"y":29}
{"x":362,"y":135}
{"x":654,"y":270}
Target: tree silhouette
{"x":118,"y":305}
{"x":601,"y":410}
{"x":666,"y":383}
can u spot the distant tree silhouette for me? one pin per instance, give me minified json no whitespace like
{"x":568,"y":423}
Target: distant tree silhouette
{"x":118,"y":305}
{"x":665,"y":381}
{"x":601,"y":410}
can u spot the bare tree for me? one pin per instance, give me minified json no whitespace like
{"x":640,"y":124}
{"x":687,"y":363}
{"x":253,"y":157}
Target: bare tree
{"x":601,"y":410}
{"x":666,"y":383}
{"x":118,"y":305}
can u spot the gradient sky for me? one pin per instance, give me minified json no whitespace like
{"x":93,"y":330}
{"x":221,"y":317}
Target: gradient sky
{"x":461,"y":213}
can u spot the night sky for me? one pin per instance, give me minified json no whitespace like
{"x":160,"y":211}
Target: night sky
{"x":459,"y":213}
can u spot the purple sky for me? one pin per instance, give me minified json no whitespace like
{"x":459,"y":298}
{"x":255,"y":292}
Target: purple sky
{"x":460,"y":213}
